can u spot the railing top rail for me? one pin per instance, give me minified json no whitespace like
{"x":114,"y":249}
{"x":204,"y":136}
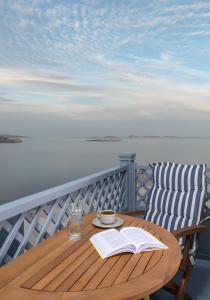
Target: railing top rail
{"x":147,"y":167}
{"x":21,"y":205}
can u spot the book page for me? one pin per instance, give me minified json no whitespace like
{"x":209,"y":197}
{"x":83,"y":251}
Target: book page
{"x":110,"y":242}
{"x":142,"y":239}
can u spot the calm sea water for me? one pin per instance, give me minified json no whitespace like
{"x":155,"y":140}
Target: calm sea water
{"x":38,"y":164}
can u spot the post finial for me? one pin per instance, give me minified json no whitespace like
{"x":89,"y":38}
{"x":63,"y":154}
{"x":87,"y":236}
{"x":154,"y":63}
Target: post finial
{"x":127,"y":156}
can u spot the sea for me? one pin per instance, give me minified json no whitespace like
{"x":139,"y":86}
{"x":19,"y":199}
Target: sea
{"x":41,"y":163}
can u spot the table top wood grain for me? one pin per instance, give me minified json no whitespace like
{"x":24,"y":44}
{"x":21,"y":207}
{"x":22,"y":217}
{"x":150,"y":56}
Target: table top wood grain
{"x":61,"y":269}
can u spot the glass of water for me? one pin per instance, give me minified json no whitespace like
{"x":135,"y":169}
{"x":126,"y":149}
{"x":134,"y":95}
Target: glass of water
{"x":75,"y":226}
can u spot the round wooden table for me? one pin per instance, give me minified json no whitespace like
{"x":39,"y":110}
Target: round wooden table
{"x":60,"y":269}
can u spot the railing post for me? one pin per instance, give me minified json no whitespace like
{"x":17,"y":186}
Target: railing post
{"x":128,"y":159}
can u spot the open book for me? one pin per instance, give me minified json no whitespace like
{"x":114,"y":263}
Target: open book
{"x":128,"y":239}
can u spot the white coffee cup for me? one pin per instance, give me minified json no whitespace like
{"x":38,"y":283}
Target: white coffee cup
{"x":107,"y":216}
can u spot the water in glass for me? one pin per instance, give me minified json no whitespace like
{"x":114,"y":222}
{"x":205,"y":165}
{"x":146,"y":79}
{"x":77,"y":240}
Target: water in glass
{"x":76,"y":224}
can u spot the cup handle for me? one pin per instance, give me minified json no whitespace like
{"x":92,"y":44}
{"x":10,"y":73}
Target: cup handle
{"x":99,"y":214}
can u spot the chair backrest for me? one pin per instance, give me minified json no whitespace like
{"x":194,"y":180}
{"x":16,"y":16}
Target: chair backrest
{"x":177,"y":197}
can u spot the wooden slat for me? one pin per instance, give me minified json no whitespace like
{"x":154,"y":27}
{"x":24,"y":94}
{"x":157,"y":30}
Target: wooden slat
{"x":13,"y":270}
{"x":66,"y":263}
{"x":87,"y":276}
{"x":117,"y":268}
{"x":50,"y":256}
{"x":60,"y":278}
{"x":53,"y":263}
{"x":142,"y":264}
{"x":156,"y":257}
{"x":114,"y":272}
{"x":128,"y":268}
{"x":15,"y":293}
{"x":70,"y":281}
{"x":39,"y":265}
{"x":105,"y":269}
{"x":134,"y":262}
{"x":86,"y":263}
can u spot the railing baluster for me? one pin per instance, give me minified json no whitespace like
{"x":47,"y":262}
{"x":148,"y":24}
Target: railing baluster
{"x":23,"y":243}
{"x":111,"y":194}
{"x":86,"y":197}
{"x":122,"y":190}
{"x":90,"y":206}
{"x":11,"y":237}
{"x":60,"y":216}
{"x":100,"y":194}
{"x":46,"y":223}
{"x":105,"y":196}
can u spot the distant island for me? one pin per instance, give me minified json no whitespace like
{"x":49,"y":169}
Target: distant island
{"x":108,"y":138}
{"x":10,"y":139}
{"x":166,"y":137}
{"x":153,"y":137}
{"x":111,"y":138}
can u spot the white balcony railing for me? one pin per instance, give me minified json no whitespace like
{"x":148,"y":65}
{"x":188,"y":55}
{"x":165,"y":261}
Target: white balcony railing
{"x":26,"y":222}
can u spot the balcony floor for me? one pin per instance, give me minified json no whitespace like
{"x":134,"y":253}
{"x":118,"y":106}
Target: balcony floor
{"x":199,"y":286}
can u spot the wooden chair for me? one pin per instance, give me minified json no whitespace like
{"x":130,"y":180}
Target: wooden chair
{"x":175,"y":202}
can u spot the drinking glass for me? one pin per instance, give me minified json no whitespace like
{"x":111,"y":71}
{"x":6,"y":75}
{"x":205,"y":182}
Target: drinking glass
{"x":75,"y":226}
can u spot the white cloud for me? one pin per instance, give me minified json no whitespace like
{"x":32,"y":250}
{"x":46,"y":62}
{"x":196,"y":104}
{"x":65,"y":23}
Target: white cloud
{"x":200,"y":32}
{"x":149,"y":98}
{"x":129,"y":56}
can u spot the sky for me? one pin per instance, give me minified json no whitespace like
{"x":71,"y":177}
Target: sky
{"x":119,"y":67}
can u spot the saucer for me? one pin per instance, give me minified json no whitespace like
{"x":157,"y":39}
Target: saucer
{"x":118,"y":222}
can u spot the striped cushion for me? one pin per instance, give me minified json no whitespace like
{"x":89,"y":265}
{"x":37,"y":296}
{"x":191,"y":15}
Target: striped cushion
{"x":177,"y":196}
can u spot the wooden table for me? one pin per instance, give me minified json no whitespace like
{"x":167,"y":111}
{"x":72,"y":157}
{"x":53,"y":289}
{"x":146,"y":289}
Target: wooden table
{"x":60,"y":269}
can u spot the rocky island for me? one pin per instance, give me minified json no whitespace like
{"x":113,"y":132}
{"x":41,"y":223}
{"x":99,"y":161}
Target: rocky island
{"x":108,"y":138}
{"x":9,"y":139}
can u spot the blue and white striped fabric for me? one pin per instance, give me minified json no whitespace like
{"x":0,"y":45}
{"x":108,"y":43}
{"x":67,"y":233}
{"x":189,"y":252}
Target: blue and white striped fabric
{"x":177,"y":196}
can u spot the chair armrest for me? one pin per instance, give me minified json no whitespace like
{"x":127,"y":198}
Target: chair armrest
{"x":186,"y":231}
{"x":134,"y":212}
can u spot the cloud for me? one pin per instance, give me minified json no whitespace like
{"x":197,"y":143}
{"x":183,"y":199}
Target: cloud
{"x":15,"y":76}
{"x":163,"y":98}
{"x":5,"y":100}
{"x":137,"y":95}
{"x":127,"y":59}
{"x":63,"y":32}
{"x":199,"y":33}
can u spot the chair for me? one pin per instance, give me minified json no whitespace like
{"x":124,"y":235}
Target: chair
{"x":175,"y":202}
